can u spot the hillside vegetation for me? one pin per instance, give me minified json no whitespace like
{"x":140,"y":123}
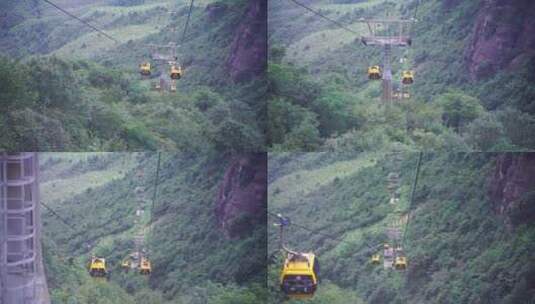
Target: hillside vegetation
{"x":192,"y":259}
{"x":65,"y":87}
{"x":320,"y":96}
{"x":463,"y":244}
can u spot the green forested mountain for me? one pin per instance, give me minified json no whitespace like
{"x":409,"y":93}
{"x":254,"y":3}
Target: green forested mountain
{"x":65,"y":87}
{"x":193,"y":261}
{"x":473,"y":85}
{"x":469,"y":236}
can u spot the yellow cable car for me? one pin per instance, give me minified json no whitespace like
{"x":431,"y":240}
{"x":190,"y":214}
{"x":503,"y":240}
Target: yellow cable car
{"x":176,"y":72}
{"x":376,"y":260}
{"x":407,"y":77}
{"x":400,"y":263}
{"x":299,"y":276}
{"x":97,"y":267}
{"x":144,"y":69}
{"x":374,"y":72}
{"x":145,"y":266}
{"x":126,"y":264}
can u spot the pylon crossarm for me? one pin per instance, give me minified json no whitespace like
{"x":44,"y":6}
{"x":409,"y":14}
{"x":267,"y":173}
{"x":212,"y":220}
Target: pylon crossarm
{"x":384,"y":40}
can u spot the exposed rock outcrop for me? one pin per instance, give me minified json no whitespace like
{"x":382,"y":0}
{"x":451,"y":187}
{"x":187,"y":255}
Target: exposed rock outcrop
{"x":242,"y":197}
{"x":248,"y":53}
{"x":512,"y":188}
{"x":503,"y":37}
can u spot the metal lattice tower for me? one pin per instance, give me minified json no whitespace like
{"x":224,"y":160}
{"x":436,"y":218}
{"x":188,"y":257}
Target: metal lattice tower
{"x":395,"y":224}
{"x":387,"y":74}
{"x":22,"y":279}
{"x":387,"y":33}
{"x":168,"y":57}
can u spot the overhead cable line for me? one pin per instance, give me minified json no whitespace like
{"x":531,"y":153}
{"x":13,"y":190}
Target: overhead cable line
{"x":339,"y":24}
{"x":187,"y":22}
{"x":64,"y":221}
{"x":84,"y":22}
{"x":413,"y":190}
{"x":331,"y":236}
{"x":156,"y":183}
{"x":416,"y":9}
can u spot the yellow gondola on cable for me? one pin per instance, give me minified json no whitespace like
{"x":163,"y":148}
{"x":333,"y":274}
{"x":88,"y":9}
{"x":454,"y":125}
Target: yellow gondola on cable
{"x":376,"y":259}
{"x":176,"y":72}
{"x":126,"y":264}
{"x":407,"y":77}
{"x":144,"y":69}
{"x":299,"y":276}
{"x":400,"y":263}
{"x":145,"y":266}
{"x":374,"y":72}
{"x":97,"y":267}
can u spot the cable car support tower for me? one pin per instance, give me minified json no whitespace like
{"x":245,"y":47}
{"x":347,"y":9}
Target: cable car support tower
{"x":386,"y":34}
{"x":22,"y":277}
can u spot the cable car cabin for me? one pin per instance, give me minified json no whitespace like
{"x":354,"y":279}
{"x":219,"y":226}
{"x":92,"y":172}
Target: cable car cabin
{"x":126,"y":264}
{"x":176,"y":72}
{"x":400,"y":263}
{"x":376,"y":260}
{"x":144,"y":69}
{"x":407,"y":77}
{"x":145,"y":266}
{"x":97,"y":267}
{"x":299,"y":277}
{"x":374,"y":72}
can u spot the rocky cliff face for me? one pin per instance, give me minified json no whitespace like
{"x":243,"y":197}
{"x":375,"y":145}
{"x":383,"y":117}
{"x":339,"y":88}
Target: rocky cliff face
{"x":512,"y":188}
{"x":503,"y":36}
{"x":242,"y":197}
{"x":249,"y":48}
